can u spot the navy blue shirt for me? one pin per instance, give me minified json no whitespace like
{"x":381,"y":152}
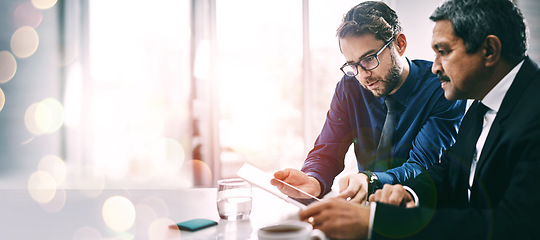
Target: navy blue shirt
{"x":427,"y":125}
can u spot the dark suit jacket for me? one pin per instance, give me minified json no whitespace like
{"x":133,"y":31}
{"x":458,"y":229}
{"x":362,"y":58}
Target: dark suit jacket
{"x":505,"y":197}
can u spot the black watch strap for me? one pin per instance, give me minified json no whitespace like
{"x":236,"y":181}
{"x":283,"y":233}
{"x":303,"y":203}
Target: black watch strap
{"x":373,"y":182}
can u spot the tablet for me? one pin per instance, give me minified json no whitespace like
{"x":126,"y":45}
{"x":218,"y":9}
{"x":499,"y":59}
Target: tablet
{"x":261,"y":179}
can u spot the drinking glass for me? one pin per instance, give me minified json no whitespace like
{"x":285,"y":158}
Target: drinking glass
{"x":234,"y":199}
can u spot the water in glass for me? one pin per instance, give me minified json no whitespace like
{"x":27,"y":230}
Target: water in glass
{"x":234,"y":199}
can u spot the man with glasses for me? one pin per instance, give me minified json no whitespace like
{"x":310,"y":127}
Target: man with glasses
{"x":486,"y":184}
{"x":391,"y":108}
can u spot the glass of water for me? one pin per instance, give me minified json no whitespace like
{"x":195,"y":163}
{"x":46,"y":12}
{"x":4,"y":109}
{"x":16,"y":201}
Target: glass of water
{"x":234,"y":199}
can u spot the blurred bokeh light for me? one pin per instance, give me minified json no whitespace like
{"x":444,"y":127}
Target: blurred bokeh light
{"x":159,"y":207}
{"x":201,"y":172}
{"x":57,"y":203}
{"x":24,"y":42}
{"x":169,"y":155}
{"x":2,"y":99}
{"x":8,"y":66}
{"x":55,"y":166}
{"x":27,"y":15}
{"x":118,"y":213}
{"x":42,"y":186}
{"x":87,"y":233}
{"x":44,"y":4}
{"x":44,"y":117}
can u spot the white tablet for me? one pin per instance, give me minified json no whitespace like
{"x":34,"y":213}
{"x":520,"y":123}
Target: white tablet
{"x":261,"y":179}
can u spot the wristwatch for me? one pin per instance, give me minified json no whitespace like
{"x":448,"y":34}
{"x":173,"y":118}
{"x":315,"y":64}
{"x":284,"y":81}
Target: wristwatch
{"x":373,"y":182}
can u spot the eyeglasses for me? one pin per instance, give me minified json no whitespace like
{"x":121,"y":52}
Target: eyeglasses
{"x":367,"y":63}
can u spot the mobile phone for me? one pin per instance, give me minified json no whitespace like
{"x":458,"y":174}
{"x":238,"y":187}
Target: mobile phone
{"x":194,"y":224}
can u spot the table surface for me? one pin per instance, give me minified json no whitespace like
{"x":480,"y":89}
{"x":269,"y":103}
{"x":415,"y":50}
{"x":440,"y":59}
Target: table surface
{"x":130,"y":214}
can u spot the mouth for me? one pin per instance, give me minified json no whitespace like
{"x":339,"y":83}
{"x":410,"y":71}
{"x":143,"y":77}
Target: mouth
{"x":372,"y":85}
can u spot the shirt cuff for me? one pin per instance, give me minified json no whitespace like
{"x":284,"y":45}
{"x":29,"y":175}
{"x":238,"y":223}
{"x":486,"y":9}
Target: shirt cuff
{"x":322,"y":184}
{"x":372,"y":207}
{"x":415,"y":197}
{"x":385,"y":178}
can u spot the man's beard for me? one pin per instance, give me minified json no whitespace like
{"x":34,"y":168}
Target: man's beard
{"x":391,"y":80}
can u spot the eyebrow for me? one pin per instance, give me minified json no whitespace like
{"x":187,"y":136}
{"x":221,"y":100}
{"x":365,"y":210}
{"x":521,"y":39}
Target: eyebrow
{"x":370,"y":52}
{"x":440,"y":45}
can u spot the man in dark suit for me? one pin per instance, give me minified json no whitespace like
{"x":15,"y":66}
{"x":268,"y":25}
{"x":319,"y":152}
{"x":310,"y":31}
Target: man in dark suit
{"x":487,"y":185}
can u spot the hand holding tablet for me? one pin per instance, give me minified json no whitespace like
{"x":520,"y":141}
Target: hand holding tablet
{"x":262,"y":180}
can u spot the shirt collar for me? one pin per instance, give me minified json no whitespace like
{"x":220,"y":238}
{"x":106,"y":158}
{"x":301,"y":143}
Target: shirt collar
{"x":493,"y":99}
{"x":404,"y":92}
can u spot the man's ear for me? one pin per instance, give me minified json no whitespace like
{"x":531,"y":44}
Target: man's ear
{"x":401,"y":43}
{"x":492,"y":50}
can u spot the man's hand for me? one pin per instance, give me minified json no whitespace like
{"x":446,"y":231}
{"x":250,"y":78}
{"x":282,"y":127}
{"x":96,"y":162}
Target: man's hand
{"x":338,"y":218}
{"x":354,"y":186}
{"x":393,"y":195}
{"x":298,"y":179}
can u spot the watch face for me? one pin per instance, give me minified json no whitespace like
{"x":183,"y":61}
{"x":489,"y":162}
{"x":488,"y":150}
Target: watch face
{"x":371,"y":176}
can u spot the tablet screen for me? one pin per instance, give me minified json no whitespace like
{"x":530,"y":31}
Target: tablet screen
{"x":262,"y":180}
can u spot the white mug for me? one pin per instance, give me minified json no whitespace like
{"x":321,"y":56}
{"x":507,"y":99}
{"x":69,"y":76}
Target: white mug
{"x":290,"y":230}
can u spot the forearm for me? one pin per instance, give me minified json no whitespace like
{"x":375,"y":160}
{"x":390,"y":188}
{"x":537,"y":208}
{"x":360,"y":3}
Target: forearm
{"x":399,"y":174}
{"x":435,"y":136}
{"x":324,"y":170}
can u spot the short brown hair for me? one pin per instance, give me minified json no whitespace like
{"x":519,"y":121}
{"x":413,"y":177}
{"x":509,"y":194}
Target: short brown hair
{"x":371,"y":17}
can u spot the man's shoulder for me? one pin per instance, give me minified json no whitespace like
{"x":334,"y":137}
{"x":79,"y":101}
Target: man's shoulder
{"x":422,"y":63}
{"x":424,"y":78}
{"x":428,"y":89}
{"x":523,"y":93}
{"x":424,"y":69}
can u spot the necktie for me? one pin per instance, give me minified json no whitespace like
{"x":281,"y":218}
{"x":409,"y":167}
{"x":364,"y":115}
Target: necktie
{"x":470,"y":153}
{"x":384,"y":154}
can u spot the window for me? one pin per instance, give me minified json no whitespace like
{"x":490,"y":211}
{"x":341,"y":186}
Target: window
{"x":259,"y":76}
{"x":136,"y":95}
{"x":278,"y":66}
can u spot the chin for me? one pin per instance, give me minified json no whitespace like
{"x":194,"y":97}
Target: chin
{"x":455,"y":95}
{"x":380,"y":92}
{"x":449,"y":91}
{"x":377,"y":94}
{"x":449,"y":96}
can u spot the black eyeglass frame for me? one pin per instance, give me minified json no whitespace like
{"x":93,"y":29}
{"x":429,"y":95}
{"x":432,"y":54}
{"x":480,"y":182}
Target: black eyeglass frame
{"x":375,"y":55}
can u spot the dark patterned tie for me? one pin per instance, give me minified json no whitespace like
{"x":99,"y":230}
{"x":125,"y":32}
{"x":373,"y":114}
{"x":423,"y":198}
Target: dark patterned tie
{"x":385,"y":154}
{"x":470,"y":154}
{"x":478,"y":121}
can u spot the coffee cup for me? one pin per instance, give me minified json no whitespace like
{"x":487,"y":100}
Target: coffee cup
{"x":290,"y":230}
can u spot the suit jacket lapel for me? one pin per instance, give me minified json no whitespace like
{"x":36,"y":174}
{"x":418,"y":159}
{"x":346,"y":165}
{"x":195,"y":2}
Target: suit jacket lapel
{"x":522,"y":80}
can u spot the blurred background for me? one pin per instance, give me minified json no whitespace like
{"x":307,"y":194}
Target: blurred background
{"x":173,"y":93}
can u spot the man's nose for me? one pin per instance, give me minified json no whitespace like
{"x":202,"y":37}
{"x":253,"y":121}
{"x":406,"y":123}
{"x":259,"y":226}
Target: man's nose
{"x":363,"y":74}
{"x":436,"y":68}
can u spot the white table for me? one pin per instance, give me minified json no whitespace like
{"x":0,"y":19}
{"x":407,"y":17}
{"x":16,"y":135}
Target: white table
{"x":75,"y":214}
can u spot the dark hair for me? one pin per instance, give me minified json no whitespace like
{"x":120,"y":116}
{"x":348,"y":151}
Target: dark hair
{"x":371,"y":17}
{"x":474,"y":20}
